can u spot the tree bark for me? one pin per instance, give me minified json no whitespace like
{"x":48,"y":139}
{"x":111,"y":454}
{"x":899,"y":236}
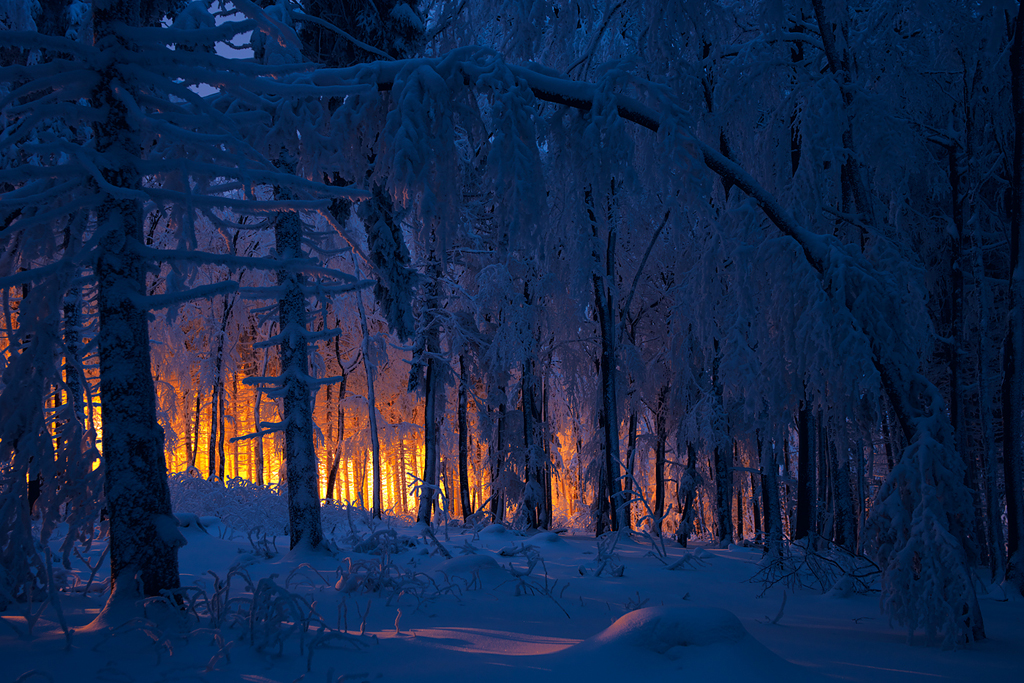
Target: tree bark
{"x":463,"y":409}
{"x":660,"y":452}
{"x":1013,"y":350}
{"x":609,"y":489}
{"x":688,"y":493}
{"x":370,"y":365}
{"x":721,"y":464}
{"x":773,"y":504}
{"x":430,"y":482}
{"x":144,"y":539}
{"x":198,"y":416}
{"x":432,"y":389}
{"x":806,"y":501}
{"x":332,"y":475}
{"x":532,"y":429}
{"x":498,"y":463}
{"x":217,"y":397}
{"x":304,"y":521}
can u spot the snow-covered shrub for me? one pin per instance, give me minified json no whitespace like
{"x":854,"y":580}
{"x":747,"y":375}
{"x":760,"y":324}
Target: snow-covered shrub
{"x":241,"y":505}
{"x":922,"y":515}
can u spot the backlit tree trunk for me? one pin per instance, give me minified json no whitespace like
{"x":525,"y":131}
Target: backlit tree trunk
{"x":304,"y":521}
{"x":144,"y":539}
{"x":370,"y":365}
{"x":467,"y":507}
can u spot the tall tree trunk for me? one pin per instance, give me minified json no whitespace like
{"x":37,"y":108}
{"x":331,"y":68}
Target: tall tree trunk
{"x":257,"y":403}
{"x":549,"y":504}
{"x":304,"y":521}
{"x":433,"y":391}
{"x":498,"y":464}
{"x":660,"y":453}
{"x":332,"y":474}
{"x":739,"y":515}
{"x":370,"y":365}
{"x":187,"y":400}
{"x":723,"y":498}
{"x":763,"y":462}
{"x":806,"y":500}
{"x":72,"y":352}
{"x":604,"y":299}
{"x":403,"y":494}
{"x":463,"y":409}
{"x":986,"y":407}
{"x":532,"y":430}
{"x":844,"y":532}
{"x":629,"y":480}
{"x":144,"y":539}
{"x":721,"y":464}
{"x":687,"y":491}
{"x":221,"y":466}
{"x":198,"y":417}
{"x":211,"y":462}
{"x":773,"y":505}
{"x":1013,"y":350}
{"x":428,"y":491}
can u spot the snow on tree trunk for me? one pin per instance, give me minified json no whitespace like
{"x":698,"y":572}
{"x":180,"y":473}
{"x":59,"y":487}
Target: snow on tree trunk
{"x":144,"y":539}
{"x":1013,"y":351}
{"x":304,"y":520}
{"x":686,"y":492}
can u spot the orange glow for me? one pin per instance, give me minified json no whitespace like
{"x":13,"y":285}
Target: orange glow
{"x":181,"y":373}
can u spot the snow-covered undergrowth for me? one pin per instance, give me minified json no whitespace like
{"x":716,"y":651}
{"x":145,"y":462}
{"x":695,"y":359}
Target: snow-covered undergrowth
{"x":398,"y":601}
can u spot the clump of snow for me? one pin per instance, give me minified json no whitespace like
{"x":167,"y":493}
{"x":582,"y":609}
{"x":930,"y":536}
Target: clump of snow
{"x":403,"y":13}
{"x":700,"y":641}
{"x":546,"y":538}
{"x":467,"y":564}
{"x":167,"y":530}
{"x":665,"y":629}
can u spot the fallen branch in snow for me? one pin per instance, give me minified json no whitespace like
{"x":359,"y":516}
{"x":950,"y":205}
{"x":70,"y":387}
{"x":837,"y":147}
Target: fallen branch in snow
{"x":688,"y":558}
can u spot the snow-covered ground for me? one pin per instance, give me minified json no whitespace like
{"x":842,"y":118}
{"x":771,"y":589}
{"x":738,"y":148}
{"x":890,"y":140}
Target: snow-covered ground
{"x":389,"y":606}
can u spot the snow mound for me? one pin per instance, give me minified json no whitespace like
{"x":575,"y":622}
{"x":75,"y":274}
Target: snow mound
{"x":663,"y":629}
{"x":546,"y":538}
{"x":190,"y":523}
{"x":473,"y":571}
{"x":702,"y":642}
{"x":494,"y":530}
